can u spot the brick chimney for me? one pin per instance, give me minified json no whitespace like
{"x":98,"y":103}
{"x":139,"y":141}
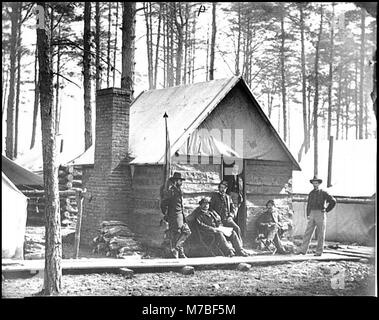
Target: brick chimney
{"x":109,"y":181}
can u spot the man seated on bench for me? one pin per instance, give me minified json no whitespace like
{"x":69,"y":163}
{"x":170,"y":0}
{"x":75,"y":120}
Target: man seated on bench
{"x":210,"y":222}
{"x":269,"y":228}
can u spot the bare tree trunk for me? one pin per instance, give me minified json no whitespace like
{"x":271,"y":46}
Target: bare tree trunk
{"x":36,"y":100}
{"x":185,"y":66}
{"x":303,"y":79}
{"x":339,"y":97}
{"x":149,"y":44}
{"x":115,"y":47}
{"x":5,"y":92}
{"x":356,"y":100}
{"x":366,"y":118}
{"x":237,"y":65}
{"x":283,"y":78}
{"x":213,"y":43}
{"x":128,"y":40}
{"x":9,"y":141}
{"x":207,"y":60}
{"x":57,"y":104}
{"x":98,"y":49}
{"x":164,"y":45}
{"x":361,"y":82}
{"x":109,"y":42}
{"x":53,"y":239}
{"x":330,"y":80}
{"x":347,"y":112}
{"x":171,"y":48}
{"x":193,"y":42}
{"x":87,"y":76}
{"x":18,"y":85}
{"x":157,"y":46}
{"x":315,"y":109}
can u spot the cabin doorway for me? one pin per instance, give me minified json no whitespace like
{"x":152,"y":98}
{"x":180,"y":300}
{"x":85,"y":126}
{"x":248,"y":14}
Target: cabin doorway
{"x":235,"y":176}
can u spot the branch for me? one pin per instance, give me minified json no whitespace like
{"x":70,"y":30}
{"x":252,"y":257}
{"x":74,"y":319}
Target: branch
{"x":59,"y":20}
{"x":59,"y":75}
{"x":27,"y":15}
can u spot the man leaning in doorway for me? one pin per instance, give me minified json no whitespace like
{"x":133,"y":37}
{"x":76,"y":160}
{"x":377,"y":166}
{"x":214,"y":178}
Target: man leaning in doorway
{"x":222,"y":203}
{"x":319,"y":204}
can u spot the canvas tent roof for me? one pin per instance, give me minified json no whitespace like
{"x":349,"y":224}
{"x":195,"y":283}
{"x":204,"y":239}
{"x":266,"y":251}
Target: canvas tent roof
{"x":187,"y":107}
{"x":33,"y":161}
{"x":19,"y":175}
{"x":353,"y":168}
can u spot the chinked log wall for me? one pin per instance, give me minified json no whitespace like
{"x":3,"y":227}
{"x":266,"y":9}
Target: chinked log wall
{"x":266,"y":180}
{"x":69,"y":177}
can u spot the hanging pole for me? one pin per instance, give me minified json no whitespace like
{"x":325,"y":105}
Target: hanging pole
{"x":330,"y":161}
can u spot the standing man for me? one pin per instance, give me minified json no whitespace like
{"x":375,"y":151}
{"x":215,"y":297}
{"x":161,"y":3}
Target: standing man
{"x":172,"y":208}
{"x":319,"y":204}
{"x":223,"y":205}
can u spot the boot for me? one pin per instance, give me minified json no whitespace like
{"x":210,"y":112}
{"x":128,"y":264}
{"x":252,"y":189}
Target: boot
{"x":181,"y":253}
{"x":175,"y":253}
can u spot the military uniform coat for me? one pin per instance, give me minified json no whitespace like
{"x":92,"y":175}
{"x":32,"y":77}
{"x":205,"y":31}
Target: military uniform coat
{"x":223,"y":205}
{"x":172,"y":207}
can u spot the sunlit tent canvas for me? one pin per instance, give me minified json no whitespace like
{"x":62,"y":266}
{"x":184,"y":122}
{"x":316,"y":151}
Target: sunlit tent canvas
{"x":13,"y":219}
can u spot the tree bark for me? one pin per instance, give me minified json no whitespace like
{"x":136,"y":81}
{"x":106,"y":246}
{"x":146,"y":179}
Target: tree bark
{"x":36,"y":100}
{"x":339,"y":97}
{"x":53,"y":239}
{"x":330,"y":80}
{"x":149,"y":44}
{"x":87,"y":76}
{"x":57,"y":104}
{"x":98,"y":49}
{"x":303,"y":79}
{"x":9,"y":141}
{"x":361,"y":71}
{"x":109,"y":42}
{"x":18,"y":84}
{"x":115,"y":47}
{"x":237,"y":65}
{"x":128,"y":39}
{"x":157,"y":46}
{"x":283,"y":77}
{"x":315,"y":109}
{"x":180,"y":39}
{"x":213,"y":43}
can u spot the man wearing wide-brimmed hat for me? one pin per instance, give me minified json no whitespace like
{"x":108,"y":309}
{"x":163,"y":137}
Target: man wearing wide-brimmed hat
{"x":172,"y":208}
{"x":319,"y":204}
{"x":223,"y":204}
{"x":209,"y":221}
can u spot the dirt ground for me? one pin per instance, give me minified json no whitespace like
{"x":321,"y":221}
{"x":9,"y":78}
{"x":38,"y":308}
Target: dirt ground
{"x":292,"y":279}
{"x":308,"y":278}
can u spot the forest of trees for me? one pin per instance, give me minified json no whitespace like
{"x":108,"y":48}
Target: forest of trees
{"x":307,"y":56}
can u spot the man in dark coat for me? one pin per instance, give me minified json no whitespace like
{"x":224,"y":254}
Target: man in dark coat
{"x":172,"y":208}
{"x":209,"y":222}
{"x":319,"y":204}
{"x":269,"y":225}
{"x":223,"y":205}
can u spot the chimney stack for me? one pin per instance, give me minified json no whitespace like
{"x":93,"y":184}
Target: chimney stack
{"x":109,"y":182}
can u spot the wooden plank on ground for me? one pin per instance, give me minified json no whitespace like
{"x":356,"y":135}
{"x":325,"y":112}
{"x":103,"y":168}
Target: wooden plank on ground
{"x":350,"y":254}
{"x":135,"y":263}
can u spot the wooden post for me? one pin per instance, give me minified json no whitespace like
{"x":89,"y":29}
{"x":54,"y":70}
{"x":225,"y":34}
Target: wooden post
{"x":330,"y":161}
{"x":79,"y":201}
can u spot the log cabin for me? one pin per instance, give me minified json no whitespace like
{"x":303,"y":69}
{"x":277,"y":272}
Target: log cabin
{"x":217,"y":130}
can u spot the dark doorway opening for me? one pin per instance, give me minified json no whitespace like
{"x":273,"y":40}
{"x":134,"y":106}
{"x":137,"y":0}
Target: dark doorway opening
{"x":235,"y":176}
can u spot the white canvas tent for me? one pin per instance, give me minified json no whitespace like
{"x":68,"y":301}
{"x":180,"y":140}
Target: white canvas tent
{"x":13,"y":220}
